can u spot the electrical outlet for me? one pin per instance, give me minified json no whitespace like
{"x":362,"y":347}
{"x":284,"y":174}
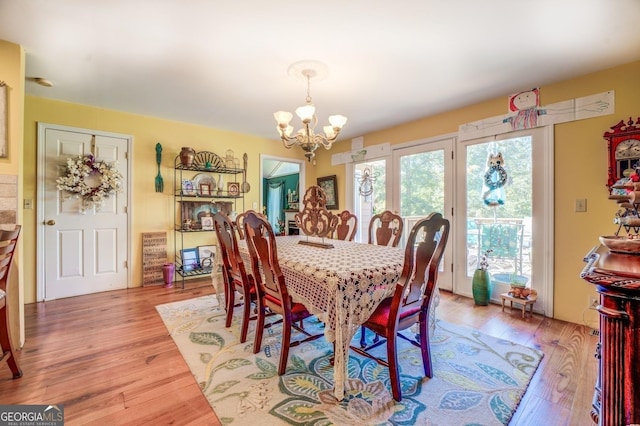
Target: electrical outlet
{"x":593,"y":302}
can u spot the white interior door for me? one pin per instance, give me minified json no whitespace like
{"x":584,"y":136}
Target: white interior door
{"x":82,"y":251}
{"x":422,"y":184}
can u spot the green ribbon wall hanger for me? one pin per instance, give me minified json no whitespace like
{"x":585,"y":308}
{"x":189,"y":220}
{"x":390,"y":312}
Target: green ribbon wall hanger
{"x":159,"y":182}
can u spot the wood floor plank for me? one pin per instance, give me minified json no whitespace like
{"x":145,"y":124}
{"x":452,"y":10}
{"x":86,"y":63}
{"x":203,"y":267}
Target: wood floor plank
{"x":109,"y":359}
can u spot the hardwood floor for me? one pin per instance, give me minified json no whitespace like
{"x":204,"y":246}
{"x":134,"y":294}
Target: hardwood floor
{"x":109,"y":360}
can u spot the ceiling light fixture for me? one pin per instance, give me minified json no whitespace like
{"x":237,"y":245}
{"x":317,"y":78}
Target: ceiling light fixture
{"x":41,"y":81}
{"x":306,"y":138}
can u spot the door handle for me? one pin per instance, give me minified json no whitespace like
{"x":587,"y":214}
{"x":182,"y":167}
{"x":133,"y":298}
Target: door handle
{"x":50,"y":222}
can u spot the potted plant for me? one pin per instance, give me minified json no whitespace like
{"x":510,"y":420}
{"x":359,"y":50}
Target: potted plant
{"x":481,"y":283}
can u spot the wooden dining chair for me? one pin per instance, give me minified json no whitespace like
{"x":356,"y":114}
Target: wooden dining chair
{"x":8,"y":243}
{"x":385,"y":229}
{"x":234,"y":274}
{"x":411,"y":300}
{"x":271,"y":288}
{"x":347,"y":226}
{"x":240,"y":222}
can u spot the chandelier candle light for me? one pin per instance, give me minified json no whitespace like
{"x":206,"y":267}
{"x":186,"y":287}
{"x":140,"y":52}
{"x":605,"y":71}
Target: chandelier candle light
{"x":306,"y":138}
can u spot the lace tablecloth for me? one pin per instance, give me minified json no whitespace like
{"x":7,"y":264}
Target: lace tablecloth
{"x":342,"y":286}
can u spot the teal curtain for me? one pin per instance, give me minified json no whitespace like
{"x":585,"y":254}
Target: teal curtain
{"x":275,"y":204}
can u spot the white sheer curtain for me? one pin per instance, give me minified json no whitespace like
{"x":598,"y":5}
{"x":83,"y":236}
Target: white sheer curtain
{"x":275,"y":202}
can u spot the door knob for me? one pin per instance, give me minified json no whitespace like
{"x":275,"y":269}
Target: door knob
{"x":50,"y":222}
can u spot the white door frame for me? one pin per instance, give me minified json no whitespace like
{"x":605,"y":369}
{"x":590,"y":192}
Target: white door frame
{"x":40,"y":209}
{"x":302,"y":183}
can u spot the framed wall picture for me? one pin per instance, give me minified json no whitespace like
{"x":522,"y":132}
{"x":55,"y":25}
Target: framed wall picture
{"x":330,"y":187}
{"x":205,"y":189}
{"x":190,"y":261}
{"x":233,"y":188}
{"x":187,"y":187}
{"x":207,"y":223}
{"x":206,"y":255}
{"x":4,"y":119}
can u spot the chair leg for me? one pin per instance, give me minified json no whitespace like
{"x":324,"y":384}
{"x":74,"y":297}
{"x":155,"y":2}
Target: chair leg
{"x":425,"y":347}
{"x":394,"y":374}
{"x":231,"y":301}
{"x":6,"y":347}
{"x":246,"y":314}
{"x":363,"y":337}
{"x":257,"y":340}
{"x":286,"y":341}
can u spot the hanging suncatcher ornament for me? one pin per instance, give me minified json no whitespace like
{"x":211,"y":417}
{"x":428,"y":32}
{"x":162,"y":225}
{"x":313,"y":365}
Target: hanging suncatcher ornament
{"x":366,"y":182}
{"x":495,"y":178}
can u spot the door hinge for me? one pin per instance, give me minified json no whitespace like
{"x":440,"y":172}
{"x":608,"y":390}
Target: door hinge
{"x":452,"y":155}
{"x":126,"y":155}
{"x":126,"y":209}
{"x":452,"y":268}
{"x":126,"y":264}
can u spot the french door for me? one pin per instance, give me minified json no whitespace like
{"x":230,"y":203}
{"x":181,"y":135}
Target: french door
{"x":505,"y":213}
{"x":420,"y":177}
{"x":414,"y":181}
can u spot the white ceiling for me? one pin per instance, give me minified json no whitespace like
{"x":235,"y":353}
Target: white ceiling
{"x":224,"y":64}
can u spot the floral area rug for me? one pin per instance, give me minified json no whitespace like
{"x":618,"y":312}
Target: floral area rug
{"x":478,"y":379}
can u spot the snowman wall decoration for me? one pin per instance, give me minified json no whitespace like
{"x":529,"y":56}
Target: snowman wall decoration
{"x":495,"y":178}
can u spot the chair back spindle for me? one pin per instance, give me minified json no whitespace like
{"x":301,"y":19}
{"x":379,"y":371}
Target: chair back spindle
{"x":347,"y":226}
{"x":385,"y":229}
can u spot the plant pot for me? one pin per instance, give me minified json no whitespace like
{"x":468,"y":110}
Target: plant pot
{"x":187,"y":155}
{"x":168,"y":269}
{"x":481,"y":287}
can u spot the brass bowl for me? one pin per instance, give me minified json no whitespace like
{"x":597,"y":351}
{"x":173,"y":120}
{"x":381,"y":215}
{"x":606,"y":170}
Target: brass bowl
{"x":621,"y":244}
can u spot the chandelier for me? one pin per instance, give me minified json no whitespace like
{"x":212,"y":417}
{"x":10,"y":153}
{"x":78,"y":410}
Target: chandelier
{"x":306,"y":138}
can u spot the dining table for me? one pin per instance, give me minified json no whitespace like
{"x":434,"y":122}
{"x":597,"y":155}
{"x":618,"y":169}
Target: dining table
{"x":341,"y":285}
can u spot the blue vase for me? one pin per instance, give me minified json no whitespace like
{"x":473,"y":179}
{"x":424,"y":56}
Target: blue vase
{"x":481,"y":287}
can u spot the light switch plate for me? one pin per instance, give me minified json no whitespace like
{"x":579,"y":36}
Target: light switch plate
{"x":581,"y":204}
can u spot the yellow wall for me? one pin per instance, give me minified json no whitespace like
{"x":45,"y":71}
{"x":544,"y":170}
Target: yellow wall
{"x":151,"y":211}
{"x":580,"y":171}
{"x":580,"y":164}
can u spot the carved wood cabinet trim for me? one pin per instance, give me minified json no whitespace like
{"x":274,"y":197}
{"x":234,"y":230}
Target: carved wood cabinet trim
{"x":617,"y":391}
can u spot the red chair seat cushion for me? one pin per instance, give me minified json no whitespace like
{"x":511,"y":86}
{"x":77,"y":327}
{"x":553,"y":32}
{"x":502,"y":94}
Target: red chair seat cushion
{"x":252,"y":286}
{"x":380,"y":316}
{"x":298,"y":311}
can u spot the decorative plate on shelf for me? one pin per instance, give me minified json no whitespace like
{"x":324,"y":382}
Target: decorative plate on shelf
{"x":208,"y":161}
{"x":621,"y":244}
{"x":204,"y":184}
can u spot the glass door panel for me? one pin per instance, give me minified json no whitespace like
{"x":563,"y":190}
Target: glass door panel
{"x":422,"y":184}
{"x":499,"y":207}
{"x":370,"y":194}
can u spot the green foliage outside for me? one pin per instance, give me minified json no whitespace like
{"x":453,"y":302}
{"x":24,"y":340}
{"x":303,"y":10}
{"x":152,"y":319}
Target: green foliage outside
{"x":422,"y":188}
